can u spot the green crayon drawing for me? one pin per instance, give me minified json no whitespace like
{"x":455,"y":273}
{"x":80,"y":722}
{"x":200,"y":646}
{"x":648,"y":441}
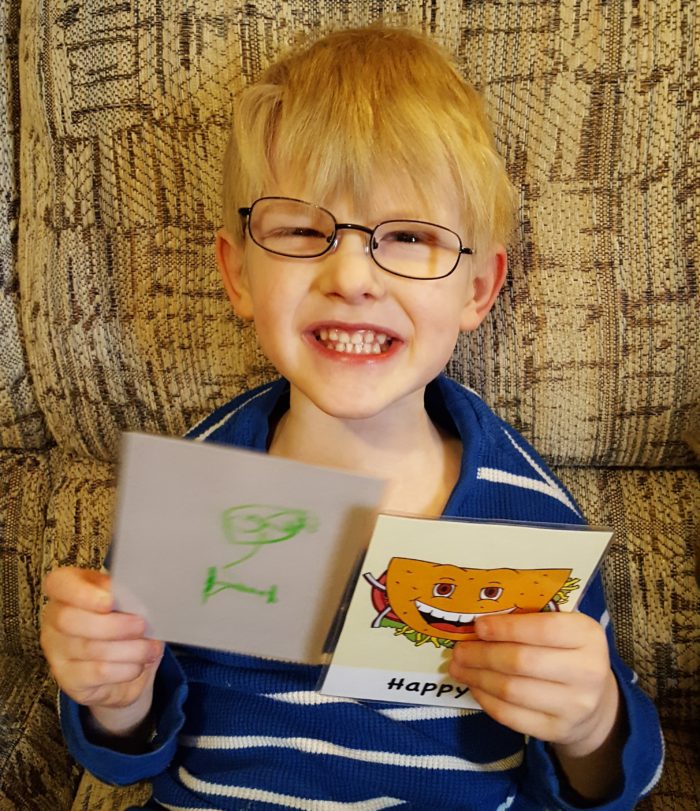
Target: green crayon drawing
{"x":255,"y":526}
{"x":214,"y":586}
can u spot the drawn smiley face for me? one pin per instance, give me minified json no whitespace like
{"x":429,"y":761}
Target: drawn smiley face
{"x":260,"y":524}
{"x":443,"y":600}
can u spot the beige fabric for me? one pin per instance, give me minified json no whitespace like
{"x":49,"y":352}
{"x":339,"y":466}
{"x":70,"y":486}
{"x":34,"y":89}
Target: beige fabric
{"x":93,"y":795}
{"x":79,"y":512}
{"x":36,"y":772}
{"x":649,"y":575}
{"x":679,"y":788}
{"x":599,"y":324}
{"x":21,"y":422}
{"x":591,"y":351}
{"x":25,"y":485}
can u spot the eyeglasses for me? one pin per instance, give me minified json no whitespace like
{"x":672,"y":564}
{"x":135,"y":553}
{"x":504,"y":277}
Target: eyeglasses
{"x":410,"y":248}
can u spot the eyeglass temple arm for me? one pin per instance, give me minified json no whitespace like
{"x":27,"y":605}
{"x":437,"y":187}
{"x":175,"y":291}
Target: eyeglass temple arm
{"x":245,"y":215}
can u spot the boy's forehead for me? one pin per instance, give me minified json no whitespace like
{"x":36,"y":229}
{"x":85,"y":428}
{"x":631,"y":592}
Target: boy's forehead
{"x":393,"y":195}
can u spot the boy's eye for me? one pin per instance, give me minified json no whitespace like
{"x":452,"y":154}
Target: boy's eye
{"x":294,"y":239}
{"x":443,"y":589}
{"x":409,"y":237}
{"x":490,"y":593}
{"x":296,"y":231}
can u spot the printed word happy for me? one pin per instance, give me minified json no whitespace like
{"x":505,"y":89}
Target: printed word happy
{"x":425,"y":687}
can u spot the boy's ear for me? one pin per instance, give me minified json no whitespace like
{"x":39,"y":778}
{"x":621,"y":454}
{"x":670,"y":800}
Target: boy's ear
{"x":486,"y":285}
{"x":229,"y":259}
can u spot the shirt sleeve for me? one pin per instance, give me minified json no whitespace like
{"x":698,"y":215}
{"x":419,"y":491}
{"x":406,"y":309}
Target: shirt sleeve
{"x":119,"y":768}
{"x":643,"y":750}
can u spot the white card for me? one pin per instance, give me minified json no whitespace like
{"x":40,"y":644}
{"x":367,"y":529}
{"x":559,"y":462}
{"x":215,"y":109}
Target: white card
{"x":237,"y":550}
{"x":423,"y":582}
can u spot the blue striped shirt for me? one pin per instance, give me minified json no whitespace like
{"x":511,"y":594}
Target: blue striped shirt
{"x":241,"y":732}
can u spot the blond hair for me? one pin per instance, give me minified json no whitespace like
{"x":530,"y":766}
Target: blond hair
{"x":364,"y":106}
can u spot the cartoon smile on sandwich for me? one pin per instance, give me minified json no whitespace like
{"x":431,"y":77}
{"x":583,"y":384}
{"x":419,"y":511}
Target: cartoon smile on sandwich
{"x":439,"y":602}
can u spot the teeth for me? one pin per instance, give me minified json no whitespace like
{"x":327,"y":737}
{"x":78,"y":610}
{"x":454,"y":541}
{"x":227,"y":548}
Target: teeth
{"x":360,"y":342}
{"x":450,"y":616}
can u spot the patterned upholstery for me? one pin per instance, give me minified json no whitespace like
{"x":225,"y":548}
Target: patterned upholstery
{"x":21,"y":420}
{"x":113,"y":120}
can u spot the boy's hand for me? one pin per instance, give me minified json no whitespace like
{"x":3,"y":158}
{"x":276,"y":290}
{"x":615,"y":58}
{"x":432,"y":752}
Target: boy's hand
{"x":545,"y":675}
{"x":99,"y":657}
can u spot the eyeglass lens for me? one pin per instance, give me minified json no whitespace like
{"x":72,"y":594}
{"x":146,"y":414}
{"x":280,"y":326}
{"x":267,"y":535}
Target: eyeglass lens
{"x":405,"y":247}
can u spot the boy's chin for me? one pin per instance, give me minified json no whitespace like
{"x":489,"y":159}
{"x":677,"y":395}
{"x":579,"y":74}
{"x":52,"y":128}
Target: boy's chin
{"x":355,"y":414}
{"x":368,"y":404}
{"x":353,"y":409}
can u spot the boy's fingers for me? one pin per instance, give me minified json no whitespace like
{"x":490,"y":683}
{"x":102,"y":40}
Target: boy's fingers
{"x":513,"y":658}
{"x":75,"y":622}
{"x":78,"y":677}
{"x":134,"y":651}
{"x":548,"y":629}
{"x":82,"y":588}
{"x":550,"y":698}
{"x":520,"y":719}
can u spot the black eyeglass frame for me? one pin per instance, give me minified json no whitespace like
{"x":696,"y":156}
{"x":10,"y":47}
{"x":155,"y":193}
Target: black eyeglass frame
{"x":246,"y":211}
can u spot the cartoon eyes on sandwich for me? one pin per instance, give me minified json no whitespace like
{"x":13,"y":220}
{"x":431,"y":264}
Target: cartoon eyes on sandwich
{"x":444,"y":589}
{"x":448,"y":589}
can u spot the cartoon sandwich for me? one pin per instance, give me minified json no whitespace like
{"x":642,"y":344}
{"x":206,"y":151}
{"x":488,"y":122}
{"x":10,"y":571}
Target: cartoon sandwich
{"x":439,"y":602}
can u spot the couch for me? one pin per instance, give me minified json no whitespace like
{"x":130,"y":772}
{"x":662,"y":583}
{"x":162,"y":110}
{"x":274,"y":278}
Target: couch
{"x":112,"y":318}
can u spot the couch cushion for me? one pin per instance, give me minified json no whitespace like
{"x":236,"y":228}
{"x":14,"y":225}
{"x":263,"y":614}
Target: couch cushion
{"x":55,"y":510}
{"x":36,"y":771}
{"x":649,"y":575}
{"x":78,"y":513}
{"x":679,"y":787}
{"x":25,"y":484}
{"x":589,"y":351}
{"x":21,"y":421}
{"x":94,"y":795}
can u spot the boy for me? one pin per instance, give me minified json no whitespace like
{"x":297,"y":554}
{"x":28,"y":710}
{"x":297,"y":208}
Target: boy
{"x":365,"y":212}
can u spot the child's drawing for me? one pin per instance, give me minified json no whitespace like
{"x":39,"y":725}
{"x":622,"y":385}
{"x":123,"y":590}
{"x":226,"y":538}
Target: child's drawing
{"x":439,"y":602}
{"x":253,"y":526}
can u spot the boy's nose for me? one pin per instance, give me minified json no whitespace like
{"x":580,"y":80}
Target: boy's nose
{"x":349,"y":270}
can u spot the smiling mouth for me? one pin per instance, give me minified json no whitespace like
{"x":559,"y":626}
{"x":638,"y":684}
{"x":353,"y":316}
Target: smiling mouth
{"x":451,"y":621}
{"x":356,"y":342}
